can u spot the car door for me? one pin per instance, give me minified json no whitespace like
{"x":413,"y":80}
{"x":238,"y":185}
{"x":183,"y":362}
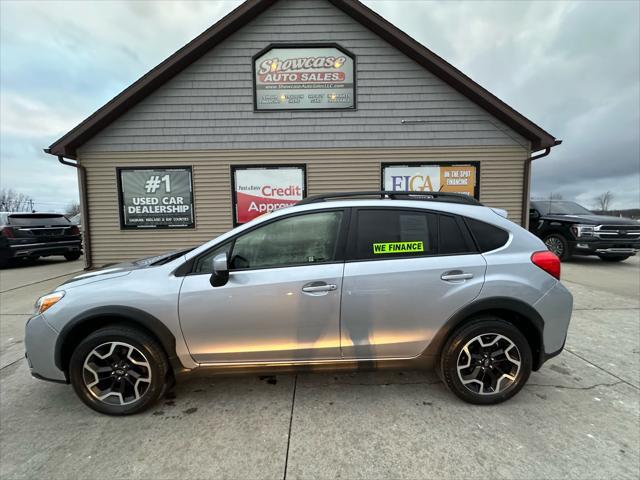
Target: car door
{"x":282,"y":299}
{"x":407,"y":272}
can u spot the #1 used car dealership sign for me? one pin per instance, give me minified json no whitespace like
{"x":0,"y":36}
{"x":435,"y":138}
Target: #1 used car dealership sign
{"x":155,"y":197}
{"x":310,"y":77}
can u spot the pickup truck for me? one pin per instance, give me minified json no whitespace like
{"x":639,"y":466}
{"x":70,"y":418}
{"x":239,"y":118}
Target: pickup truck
{"x":568,"y":228}
{"x":34,"y":235}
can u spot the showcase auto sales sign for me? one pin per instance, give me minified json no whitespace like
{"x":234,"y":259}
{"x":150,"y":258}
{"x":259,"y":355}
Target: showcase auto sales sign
{"x":263,"y":190}
{"x":304,"y":78}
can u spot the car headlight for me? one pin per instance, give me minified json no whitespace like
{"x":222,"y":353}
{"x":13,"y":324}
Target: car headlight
{"x":583,"y":230}
{"x":45,"y":302}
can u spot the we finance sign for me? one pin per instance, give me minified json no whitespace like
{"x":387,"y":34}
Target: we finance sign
{"x":257,"y":191}
{"x":432,"y":177}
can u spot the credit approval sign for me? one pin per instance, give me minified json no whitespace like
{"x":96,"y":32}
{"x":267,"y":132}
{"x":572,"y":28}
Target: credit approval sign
{"x":260,"y":190}
{"x":431,"y":177}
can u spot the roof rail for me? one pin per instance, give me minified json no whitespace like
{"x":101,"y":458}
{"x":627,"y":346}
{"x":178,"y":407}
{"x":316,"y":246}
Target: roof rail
{"x":396,"y":195}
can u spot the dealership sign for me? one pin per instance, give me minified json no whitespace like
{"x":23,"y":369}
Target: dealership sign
{"x":292,"y":78}
{"x":429,"y":177}
{"x":155,"y":197}
{"x":257,"y":191}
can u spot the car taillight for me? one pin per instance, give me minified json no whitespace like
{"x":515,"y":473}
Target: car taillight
{"x":7,"y":232}
{"x":74,"y":230}
{"x":548,"y":262}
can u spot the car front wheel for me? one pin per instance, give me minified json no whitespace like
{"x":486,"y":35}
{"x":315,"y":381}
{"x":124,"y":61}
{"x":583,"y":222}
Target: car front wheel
{"x":72,"y":256}
{"x":118,"y":370}
{"x":557,"y":244}
{"x":486,"y":362}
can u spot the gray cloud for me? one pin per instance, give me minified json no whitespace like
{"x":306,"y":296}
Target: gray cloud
{"x":572,"y":67}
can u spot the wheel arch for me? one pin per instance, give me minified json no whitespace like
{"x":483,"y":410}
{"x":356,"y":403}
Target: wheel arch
{"x":521,"y":315}
{"x":84,"y":324}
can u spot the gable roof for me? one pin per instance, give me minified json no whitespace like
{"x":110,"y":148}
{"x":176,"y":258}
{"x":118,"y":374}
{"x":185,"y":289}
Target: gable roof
{"x":68,"y":144}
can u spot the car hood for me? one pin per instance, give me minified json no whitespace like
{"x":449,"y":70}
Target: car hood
{"x":593,"y":219}
{"x":120,"y":269}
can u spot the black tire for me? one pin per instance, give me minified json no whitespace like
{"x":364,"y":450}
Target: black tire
{"x":452,"y":353}
{"x":559,"y":245}
{"x":613,"y":258}
{"x":72,"y":256}
{"x":152,"y":353}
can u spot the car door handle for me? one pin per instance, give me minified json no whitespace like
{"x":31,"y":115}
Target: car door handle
{"x":456,"y":275}
{"x":316,"y":287}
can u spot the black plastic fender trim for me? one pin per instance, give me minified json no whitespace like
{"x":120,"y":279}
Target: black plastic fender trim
{"x":122,"y":314}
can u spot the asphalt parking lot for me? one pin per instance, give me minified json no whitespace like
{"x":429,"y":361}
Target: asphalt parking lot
{"x":579,"y":416}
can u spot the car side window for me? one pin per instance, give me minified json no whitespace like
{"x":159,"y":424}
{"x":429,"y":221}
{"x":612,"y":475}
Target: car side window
{"x":390,"y":233}
{"x":452,"y":240}
{"x":298,"y":240}
{"x":205,"y":263}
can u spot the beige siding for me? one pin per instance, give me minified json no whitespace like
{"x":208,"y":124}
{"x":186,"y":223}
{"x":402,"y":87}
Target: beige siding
{"x":501,"y":175}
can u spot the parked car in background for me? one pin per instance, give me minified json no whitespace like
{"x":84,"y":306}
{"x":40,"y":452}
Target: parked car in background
{"x":568,"y":228}
{"x":34,"y":235}
{"x":435,"y":280}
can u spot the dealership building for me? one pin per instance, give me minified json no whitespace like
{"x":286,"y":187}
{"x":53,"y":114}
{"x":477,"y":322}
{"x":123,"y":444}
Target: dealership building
{"x":279,"y":100}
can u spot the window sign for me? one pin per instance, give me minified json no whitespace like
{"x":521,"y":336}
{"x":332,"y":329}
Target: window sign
{"x":260,"y":190}
{"x":429,"y":177}
{"x":155,"y":197}
{"x":299,"y":78}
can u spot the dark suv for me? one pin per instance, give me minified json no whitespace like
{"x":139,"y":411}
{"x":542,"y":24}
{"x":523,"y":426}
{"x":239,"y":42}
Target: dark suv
{"x":35,"y":235}
{"x":568,"y":228}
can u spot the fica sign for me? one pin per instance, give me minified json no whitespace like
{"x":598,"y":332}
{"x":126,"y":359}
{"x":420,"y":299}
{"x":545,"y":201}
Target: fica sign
{"x":304,"y":78}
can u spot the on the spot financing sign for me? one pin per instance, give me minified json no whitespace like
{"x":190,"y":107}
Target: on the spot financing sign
{"x":155,"y":197}
{"x":431,"y":178}
{"x":263,"y":190}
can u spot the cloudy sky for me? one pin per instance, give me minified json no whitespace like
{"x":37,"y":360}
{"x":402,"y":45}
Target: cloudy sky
{"x":572,"y":67}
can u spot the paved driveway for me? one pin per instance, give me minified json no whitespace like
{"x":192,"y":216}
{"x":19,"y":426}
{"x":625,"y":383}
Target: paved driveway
{"x":578,"y":417}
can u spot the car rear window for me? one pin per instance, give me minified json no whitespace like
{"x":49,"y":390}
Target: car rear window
{"x":488,"y":237}
{"x":29,"y":219}
{"x":383,"y":234}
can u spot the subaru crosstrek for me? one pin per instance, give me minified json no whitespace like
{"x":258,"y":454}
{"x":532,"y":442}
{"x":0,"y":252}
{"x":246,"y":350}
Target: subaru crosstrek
{"x":435,"y":280}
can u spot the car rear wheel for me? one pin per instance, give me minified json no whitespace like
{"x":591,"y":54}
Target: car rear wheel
{"x":486,"y":362}
{"x":72,"y":256}
{"x":118,"y":370}
{"x":613,"y":258}
{"x":558,"y":245}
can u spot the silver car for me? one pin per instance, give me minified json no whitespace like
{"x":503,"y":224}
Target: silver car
{"x":403,"y":281}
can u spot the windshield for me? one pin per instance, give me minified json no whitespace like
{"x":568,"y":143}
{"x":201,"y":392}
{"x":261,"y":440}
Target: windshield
{"x":557,"y":207}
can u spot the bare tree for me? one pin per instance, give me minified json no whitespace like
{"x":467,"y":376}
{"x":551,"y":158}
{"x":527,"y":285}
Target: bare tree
{"x":12,"y":201}
{"x":604,"y":201}
{"x":73,"y":209}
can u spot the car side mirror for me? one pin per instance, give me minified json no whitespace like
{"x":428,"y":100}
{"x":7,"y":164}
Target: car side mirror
{"x":533,"y":214}
{"x":220,"y":275}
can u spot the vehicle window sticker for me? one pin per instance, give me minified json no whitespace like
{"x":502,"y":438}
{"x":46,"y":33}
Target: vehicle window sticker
{"x":397,"y":247}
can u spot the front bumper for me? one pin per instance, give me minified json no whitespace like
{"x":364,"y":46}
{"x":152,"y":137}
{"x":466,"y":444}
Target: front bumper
{"x":40,"y":343}
{"x":591,"y":246}
{"x":555,"y":308}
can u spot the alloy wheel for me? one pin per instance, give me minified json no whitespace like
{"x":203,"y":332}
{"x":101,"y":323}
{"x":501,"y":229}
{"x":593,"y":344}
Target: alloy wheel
{"x":116,"y":373}
{"x":555,"y":245}
{"x":488,"y":364}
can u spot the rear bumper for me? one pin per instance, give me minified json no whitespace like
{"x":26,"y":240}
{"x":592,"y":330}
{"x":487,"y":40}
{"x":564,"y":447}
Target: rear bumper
{"x":18,"y":250}
{"x":555,"y":307}
{"x":40,"y":342}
